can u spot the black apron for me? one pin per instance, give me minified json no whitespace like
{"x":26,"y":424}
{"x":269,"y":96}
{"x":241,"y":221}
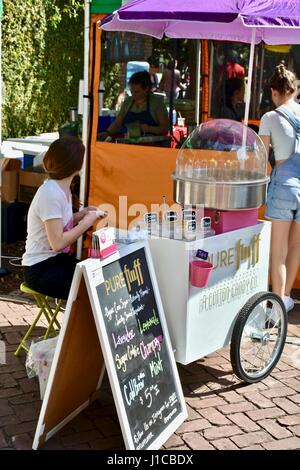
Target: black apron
{"x":143,"y":117}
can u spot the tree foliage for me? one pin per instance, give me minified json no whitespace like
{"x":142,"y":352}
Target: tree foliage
{"x":42,"y":63}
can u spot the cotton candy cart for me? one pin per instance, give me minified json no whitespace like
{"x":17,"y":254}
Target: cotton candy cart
{"x":222,"y":165}
{"x":234,"y":308}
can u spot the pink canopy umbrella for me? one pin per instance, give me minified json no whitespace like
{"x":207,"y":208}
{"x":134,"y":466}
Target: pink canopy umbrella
{"x":275,"y":21}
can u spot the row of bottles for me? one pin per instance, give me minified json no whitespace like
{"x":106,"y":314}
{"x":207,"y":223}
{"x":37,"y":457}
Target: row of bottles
{"x":222,"y":150}
{"x":188,"y":224}
{"x":213,"y":170}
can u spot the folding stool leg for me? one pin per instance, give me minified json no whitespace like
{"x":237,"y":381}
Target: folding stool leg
{"x":53,"y":318}
{"x":53,"y":315}
{"x":22,"y":344}
{"x":50,"y":314}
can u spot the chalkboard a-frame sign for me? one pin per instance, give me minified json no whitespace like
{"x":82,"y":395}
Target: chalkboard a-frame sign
{"x":120,"y":298}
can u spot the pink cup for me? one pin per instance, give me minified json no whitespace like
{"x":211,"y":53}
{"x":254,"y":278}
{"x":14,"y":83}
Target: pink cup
{"x":200,"y":272}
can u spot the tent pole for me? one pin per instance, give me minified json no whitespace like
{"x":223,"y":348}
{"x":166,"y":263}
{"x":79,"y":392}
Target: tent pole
{"x":262,"y":61}
{"x":254,"y":95}
{"x":171,"y":97}
{"x":250,"y":73}
{"x":198,"y":82}
{"x":243,"y":156}
{"x":3,"y":271}
{"x":85,"y":110}
{"x":210,"y":79}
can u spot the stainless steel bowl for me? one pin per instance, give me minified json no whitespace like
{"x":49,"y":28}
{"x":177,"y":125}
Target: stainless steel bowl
{"x":244,"y":193}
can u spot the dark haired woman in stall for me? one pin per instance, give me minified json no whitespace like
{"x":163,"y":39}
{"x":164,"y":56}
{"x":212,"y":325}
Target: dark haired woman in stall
{"x":234,"y":100}
{"x":142,"y":108}
{"x":52,"y":227}
{"x":283,"y":201}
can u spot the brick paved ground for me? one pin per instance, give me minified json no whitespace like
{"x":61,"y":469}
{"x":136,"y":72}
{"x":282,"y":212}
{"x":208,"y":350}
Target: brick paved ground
{"x":224,"y":414}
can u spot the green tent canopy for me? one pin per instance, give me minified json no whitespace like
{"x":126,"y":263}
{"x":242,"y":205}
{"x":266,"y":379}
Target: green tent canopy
{"x":105,"y":6}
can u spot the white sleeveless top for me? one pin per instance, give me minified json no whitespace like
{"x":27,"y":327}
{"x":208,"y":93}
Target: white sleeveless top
{"x":49,"y":202}
{"x":281,"y":132}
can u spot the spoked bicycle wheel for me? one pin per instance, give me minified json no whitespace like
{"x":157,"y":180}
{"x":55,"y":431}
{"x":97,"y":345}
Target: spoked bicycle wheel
{"x":258,"y":337}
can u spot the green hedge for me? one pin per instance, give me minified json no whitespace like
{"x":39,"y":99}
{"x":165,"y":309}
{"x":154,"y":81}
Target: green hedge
{"x":42,"y":63}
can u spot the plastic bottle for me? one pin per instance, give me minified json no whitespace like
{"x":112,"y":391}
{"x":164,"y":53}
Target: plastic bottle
{"x":174,"y":117}
{"x":188,"y":168}
{"x":189,"y":230}
{"x":73,"y":114}
{"x":205,"y":228}
{"x":101,"y":97}
{"x":197,"y":173}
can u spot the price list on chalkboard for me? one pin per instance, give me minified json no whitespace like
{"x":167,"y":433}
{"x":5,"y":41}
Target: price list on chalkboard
{"x":139,"y":351}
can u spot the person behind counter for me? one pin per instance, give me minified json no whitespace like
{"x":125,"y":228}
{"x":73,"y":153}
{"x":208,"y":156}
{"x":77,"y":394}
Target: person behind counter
{"x":233,"y":68}
{"x":143,"y":107}
{"x":234,"y":104}
{"x":283,"y":198}
{"x":52,"y":227}
{"x":153,"y":69}
{"x":166,"y":82}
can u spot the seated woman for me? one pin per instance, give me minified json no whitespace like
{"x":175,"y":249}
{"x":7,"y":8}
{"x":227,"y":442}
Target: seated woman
{"x":52,"y":227}
{"x":142,"y":109}
{"x":234,"y":100}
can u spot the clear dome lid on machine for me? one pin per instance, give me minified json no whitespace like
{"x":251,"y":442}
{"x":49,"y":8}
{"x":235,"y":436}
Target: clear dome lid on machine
{"x":221,"y":165}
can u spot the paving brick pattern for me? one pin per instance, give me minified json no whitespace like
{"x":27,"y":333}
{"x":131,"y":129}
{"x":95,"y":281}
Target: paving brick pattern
{"x":223,"y":413}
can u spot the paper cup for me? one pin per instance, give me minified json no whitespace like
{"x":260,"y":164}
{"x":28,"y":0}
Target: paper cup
{"x":200,"y":272}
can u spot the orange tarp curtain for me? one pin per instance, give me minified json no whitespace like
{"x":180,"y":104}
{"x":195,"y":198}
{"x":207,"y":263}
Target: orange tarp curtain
{"x":142,"y":174}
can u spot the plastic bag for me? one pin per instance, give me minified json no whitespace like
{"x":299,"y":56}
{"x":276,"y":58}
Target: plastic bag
{"x":39,"y":360}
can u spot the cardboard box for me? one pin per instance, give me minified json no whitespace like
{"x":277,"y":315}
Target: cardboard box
{"x":10,"y":178}
{"x":29,"y":182}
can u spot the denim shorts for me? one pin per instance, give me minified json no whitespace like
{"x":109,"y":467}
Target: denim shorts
{"x":283,"y":198}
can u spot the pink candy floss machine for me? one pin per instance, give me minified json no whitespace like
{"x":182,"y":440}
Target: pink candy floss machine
{"x":226,"y":221}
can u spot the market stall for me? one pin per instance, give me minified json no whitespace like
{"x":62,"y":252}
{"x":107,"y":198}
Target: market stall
{"x":133,"y":171}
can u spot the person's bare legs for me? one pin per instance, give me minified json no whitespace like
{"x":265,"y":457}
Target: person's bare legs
{"x":279,"y":253}
{"x":293,"y":257}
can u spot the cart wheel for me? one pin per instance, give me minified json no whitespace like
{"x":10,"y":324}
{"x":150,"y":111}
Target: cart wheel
{"x":258,"y":337}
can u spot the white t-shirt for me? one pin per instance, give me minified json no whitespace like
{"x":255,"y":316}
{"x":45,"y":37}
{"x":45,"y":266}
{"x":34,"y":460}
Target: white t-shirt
{"x":49,"y":202}
{"x":281,"y":132}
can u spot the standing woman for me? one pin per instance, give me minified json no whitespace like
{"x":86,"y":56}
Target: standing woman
{"x":52,"y":227}
{"x":283,"y":200}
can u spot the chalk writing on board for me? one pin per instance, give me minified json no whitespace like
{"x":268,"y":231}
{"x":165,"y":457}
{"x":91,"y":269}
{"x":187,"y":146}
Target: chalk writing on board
{"x":138,"y":348}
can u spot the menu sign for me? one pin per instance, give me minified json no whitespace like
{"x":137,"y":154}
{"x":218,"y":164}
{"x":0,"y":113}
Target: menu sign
{"x":140,"y":352}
